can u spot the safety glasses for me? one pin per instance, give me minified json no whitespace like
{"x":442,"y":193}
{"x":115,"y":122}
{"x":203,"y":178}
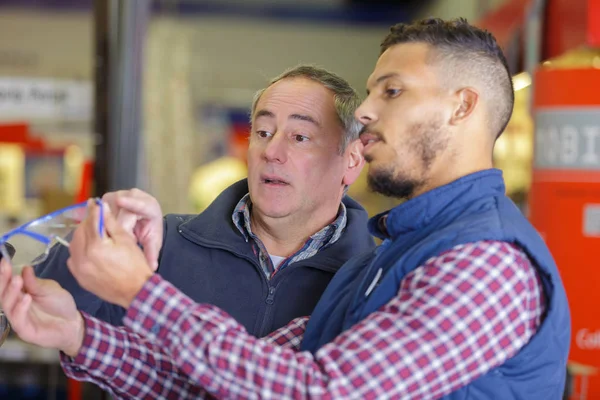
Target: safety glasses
{"x":30,"y":244}
{"x":34,"y":240}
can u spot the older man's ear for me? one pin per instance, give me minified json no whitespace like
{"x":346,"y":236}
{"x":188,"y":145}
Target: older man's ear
{"x":356,"y":162}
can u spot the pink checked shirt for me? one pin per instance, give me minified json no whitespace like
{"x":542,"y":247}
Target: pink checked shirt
{"x":456,"y":317}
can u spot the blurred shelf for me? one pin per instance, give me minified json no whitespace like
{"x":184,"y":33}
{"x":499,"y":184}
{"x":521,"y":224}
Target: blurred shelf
{"x":15,"y":350}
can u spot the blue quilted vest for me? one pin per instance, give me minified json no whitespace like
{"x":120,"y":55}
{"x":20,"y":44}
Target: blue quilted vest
{"x":470,"y":209}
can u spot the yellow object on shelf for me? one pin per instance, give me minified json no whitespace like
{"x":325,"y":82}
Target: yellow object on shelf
{"x":210,"y":179}
{"x":12,"y":188}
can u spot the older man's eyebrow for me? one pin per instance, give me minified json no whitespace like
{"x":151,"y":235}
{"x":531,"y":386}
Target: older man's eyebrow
{"x":264,"y":113}
{"x":299,"y":117}
{"x":307,"y":118}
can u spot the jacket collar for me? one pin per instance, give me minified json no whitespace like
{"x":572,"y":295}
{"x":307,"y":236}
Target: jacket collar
{"x":214,"y":227}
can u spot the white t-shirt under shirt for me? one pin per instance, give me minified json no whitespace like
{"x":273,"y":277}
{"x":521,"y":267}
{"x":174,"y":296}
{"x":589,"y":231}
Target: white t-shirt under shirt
{"x":276,"y":260}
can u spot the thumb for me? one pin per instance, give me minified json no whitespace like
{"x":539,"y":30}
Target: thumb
{"x":35,"y":286}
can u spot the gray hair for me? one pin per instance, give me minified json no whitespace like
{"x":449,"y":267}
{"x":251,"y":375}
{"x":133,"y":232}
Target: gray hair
{"x":346,"y":99}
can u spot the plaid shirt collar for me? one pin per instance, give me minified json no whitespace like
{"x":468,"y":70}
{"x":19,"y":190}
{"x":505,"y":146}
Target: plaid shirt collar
{"x":325,"y":237}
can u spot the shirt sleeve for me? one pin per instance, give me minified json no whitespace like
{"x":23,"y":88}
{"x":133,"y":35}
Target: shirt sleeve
{"x":126,"y":365}
{"x":454,"y":318}
{"x":289,"y":336}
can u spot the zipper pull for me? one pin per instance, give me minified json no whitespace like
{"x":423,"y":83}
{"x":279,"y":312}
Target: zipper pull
{"x":375,"y":282}
{"x":270,"y":297}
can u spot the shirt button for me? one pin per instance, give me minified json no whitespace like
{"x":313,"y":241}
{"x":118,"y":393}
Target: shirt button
{"x":155,"y":329}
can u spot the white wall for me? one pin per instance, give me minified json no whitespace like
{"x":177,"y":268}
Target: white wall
{"x":55,"y":45}
{"x":233,"y":54}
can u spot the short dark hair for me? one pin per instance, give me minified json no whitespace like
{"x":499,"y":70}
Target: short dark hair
{"x":470,"y":53}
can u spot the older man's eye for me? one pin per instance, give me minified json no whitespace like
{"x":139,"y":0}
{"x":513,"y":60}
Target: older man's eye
{"x":263,"y":134}
{"x":300,"y":138}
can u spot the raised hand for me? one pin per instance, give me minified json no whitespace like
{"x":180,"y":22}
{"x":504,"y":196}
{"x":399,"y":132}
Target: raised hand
{"x":40,"y":311}
{"x":140,"y":214}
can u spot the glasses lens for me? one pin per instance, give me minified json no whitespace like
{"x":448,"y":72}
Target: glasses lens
{"x":4,"y":327}
{"x":61,"y":225}
{"x":28,"y":251}
{"x":56,"y":228}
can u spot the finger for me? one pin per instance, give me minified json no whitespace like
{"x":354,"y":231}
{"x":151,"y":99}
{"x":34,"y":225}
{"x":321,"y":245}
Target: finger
{"x":151,"y":251}
{"x":110,"y":198}
{"x":29,"y":280}
{"x":150,"y":237}
{"x":5,"y":276}
{"x":19,"y":316}
{"x":113,"y":228}
{"x":91,"y":223}
{"x":140,"y":203}
{"x":12,"y":294}
{"x":127,"y":220}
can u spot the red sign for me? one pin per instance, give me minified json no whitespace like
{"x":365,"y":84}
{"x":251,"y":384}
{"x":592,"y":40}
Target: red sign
{"x":564,"y":203}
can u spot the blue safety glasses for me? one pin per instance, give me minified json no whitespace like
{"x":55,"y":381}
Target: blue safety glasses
{"x":34,"y":240}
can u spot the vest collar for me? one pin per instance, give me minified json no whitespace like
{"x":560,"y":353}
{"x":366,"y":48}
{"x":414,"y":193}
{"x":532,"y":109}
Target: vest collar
{"x":419,"y":211}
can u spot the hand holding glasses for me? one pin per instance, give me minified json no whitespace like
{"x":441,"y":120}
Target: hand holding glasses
{"x":30,"y":244}
{"x":4,"y":325}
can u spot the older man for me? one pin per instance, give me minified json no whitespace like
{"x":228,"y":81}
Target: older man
{"x":266,"y":248}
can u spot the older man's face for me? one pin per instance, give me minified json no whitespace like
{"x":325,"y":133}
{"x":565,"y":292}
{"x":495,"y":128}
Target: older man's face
{"x":294,"y":165}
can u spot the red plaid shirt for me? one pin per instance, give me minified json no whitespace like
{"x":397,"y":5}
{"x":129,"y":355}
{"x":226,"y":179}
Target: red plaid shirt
{"x":454,"y":318}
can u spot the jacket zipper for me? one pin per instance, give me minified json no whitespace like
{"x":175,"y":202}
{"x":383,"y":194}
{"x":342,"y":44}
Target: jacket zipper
{"x":269,"y":300}
{"x":266,"y":320}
